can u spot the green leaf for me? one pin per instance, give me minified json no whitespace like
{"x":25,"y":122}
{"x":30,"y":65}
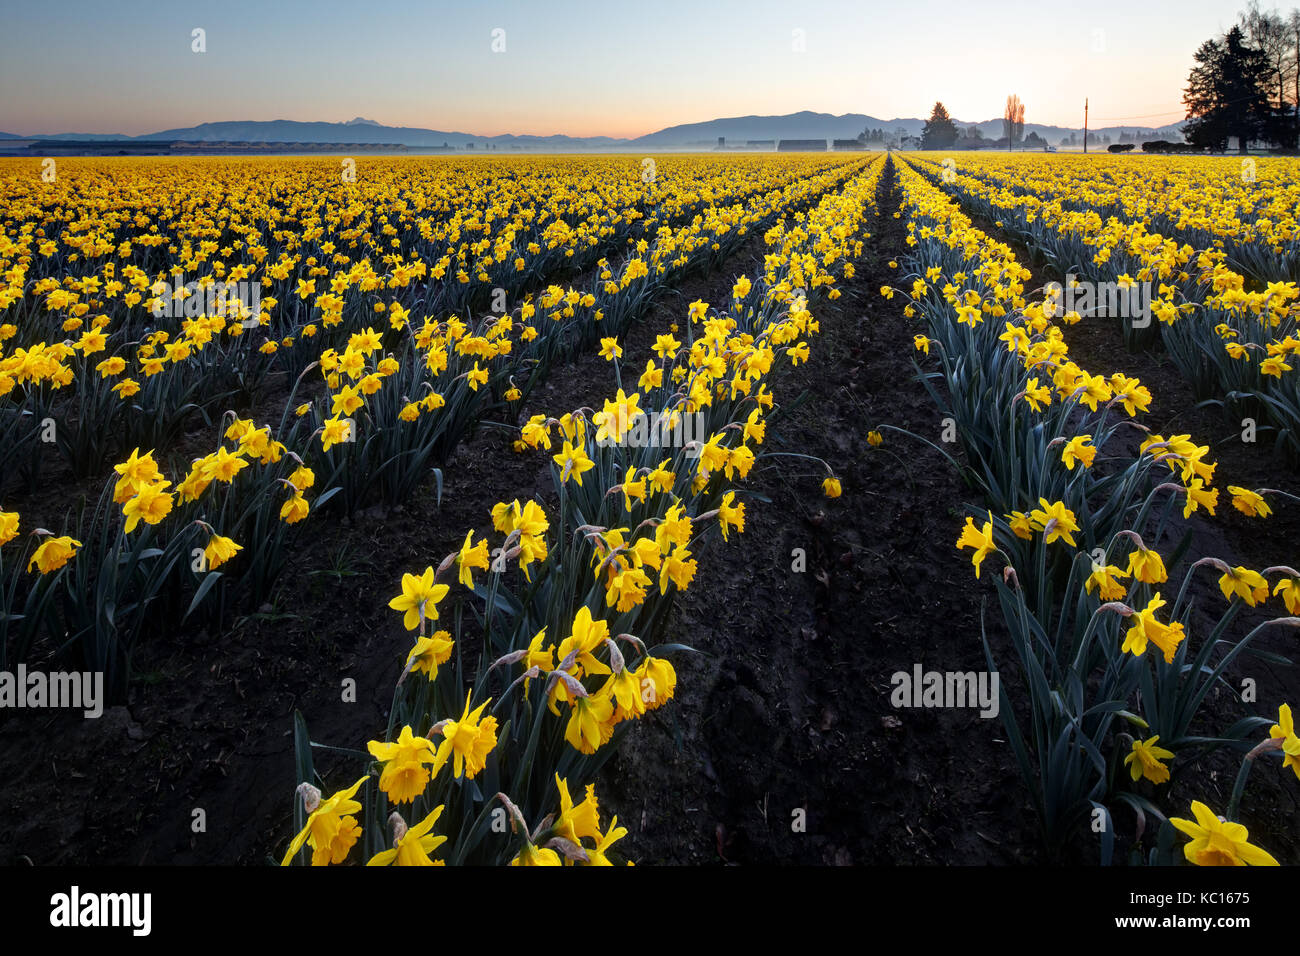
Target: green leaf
{"x":209,"y":580}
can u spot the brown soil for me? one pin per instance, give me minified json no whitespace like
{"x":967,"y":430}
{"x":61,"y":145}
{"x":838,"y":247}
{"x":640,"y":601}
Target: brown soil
{"x":787,"y":708}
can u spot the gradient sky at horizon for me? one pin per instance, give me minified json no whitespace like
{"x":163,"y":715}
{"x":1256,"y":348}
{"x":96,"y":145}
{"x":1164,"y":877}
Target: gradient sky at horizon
{"x":590,"y":68}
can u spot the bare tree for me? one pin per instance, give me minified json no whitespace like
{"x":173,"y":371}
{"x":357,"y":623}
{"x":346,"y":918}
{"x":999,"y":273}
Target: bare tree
{"x":1013,"y":119}
{"x":1272,"y":34}
{"x":1293,"y":24}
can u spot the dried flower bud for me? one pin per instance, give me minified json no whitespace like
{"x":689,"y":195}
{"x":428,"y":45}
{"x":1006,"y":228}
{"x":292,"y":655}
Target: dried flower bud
{"x":1117,"y":607}
{"x":517,"y":822}
{"x":398,"y":826}
{"x":568,"y":848}
{"x":514,"y":657}
{"x":310,"y":797}
{"x":615,"y":657}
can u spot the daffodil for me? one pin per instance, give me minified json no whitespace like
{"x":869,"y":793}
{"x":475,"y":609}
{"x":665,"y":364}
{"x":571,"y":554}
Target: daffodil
{"x":1055,"y":521}
{"x":414,"y":845}
{"x":151,"y":503}
{"x":576,"y":821}
{"x":597,"y":856}
{"x":331,"y":830}
{"x":589,"y":721}
{"x":1244,"y":583}
{"x":1199,"y":496}
{"x":419,"y":599}
{"x":53,"y":554}
{"x":658,"y":681}
{"x":1145,"y":627}
{"x":136,"y":472}
{"x":468,"y":741}
{"x":1105,"y":579}
{"x":294,"y":510}
{"x":586,"y":637}
{"x":617,"y":417}
{"x":1078,"y":449}
{"x":1147,"y":566}
{"x":405,"y":775}
{"x":335,"y":431}
{"x":573,"y":462}
{"x":1217,"y":843}
{"x":979,"y":539}
{"x":1249,"y":503}
{"x":470,"y":557}
{"x":8,"y":526}
{"x":530,"y":855}
{"x":219,"y":550}
{"x":730,"y":515}
{"x":222,"y":465}
{"x":1037,"y":396}
{"x":1284,"y":730}
{"x":1144,"y":760}
{"x":430,"y":652}
{"x":1289,"y":588}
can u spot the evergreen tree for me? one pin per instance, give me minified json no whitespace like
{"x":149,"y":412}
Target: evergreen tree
{"x":1227,"y":94}
{"x":940,"y":131}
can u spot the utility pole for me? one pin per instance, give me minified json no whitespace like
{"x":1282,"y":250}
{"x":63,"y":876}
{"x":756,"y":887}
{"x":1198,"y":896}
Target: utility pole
{"x":1085,"y":124}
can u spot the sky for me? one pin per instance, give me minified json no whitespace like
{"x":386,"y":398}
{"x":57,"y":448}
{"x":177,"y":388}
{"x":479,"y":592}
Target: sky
{"x":617,"y":67}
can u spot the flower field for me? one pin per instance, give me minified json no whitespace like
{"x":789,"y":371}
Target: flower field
{"x":583,"y":510}
{"x":1112,"y":668}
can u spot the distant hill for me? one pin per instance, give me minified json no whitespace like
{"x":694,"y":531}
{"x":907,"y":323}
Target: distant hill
{"x":292,"y":131}
{"x":736,"y":130}
{"x":83,"y":137}
{"x":809,"y":125}
{"x":360,"y":130}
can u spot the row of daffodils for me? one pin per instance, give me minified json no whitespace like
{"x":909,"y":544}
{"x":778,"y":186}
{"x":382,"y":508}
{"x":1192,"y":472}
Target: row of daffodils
{"x":1115,"y":667}
{"x":565,"y":607}
{"x":381,"y":385}
{"x":1229,"y":320}
{"x":130,"y":310}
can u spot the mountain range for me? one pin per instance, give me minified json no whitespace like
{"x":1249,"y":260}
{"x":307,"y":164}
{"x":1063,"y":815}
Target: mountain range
{"x":737,"y":130}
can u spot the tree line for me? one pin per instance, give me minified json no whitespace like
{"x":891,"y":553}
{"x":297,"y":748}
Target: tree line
{"x":1245,"y":84}
{"x":941,"y":132}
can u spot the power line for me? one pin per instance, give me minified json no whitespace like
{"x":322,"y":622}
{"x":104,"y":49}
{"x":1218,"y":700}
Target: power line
{"x":1231,"y":102}
{"x":1111,"y":119}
